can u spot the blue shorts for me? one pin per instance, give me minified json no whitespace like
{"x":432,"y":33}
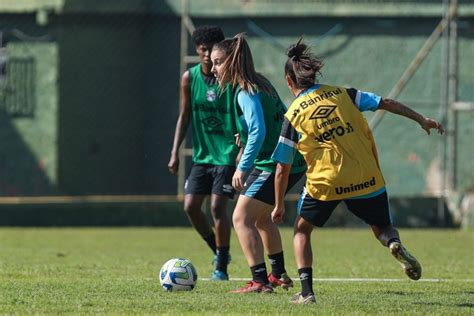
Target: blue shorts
{"x":372,"y":209}
{"x":260,"y":185}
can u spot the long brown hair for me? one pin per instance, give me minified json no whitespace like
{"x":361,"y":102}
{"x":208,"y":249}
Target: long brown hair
{"x":238,"y":68}
{"x":302,"y":67}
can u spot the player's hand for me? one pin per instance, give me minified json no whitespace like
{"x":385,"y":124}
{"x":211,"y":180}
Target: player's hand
{"x":277,"y":214}
{"x":429,"y":124}
{"x":238,"y":180}
{"x":173,"y":165}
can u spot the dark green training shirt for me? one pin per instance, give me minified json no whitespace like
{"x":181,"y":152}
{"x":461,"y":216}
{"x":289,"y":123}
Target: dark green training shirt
{"x":213,"y":121}
{"x":273,"y":113}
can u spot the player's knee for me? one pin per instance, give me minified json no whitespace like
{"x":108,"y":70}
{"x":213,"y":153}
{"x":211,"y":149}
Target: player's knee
{"x":240,"y":219}
{"x":191,"y":209}
{"x":301,"y":237}
{"x":237,"y":220}
{"x":302,"y":227}
{"x":218,"y":213}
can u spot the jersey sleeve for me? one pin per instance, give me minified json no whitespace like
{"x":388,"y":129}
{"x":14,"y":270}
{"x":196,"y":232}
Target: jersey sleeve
{"x":253,"y":115}
{"x":364,"y":101}
{"x":285,"y":149}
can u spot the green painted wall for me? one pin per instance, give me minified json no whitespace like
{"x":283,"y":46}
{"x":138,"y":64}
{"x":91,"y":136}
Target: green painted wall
{"x":101,"y":143}
{"x":118,"y":95}
{"x":28,"y":152}
{"x":108,"y":86}
{"x":239,"y":8}
{"x":318,"y":8}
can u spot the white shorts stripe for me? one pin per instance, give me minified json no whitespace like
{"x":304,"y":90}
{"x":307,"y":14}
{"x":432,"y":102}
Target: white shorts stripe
{"x":287,"y":141}
{"x":357,"y":100}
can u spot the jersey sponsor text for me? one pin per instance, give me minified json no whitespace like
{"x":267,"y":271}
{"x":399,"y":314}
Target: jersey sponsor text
{"x":356,"y":187}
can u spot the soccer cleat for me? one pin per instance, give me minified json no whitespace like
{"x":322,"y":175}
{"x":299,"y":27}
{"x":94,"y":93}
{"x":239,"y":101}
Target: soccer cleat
{"x":284,"y":282}
{"x":300,"y":299}
{"x":409,"y":263}
{"x":219,"y":276}
{"x":254,"y":287}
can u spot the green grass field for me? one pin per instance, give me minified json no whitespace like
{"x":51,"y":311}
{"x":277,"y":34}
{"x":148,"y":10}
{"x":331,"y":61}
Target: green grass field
{"x":115,"y":271}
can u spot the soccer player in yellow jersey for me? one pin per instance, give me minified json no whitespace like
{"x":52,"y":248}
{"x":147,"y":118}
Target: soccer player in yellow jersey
{"x":325,"y":124}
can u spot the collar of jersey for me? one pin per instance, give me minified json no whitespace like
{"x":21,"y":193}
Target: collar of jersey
{"x":305,"y":92}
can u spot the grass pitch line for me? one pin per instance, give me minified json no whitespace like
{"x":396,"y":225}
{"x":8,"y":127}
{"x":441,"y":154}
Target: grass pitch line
{"x":362,"y":280}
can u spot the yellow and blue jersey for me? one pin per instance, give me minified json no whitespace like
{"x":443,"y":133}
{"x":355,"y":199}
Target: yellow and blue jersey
{"x":325,"y":124}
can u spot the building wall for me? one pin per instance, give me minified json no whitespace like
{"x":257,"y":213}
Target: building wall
{"x":28,"y":111}
{"x":110,"y":86}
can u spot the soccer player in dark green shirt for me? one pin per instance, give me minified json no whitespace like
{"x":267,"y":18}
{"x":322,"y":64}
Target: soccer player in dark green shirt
{"x":259,"y":116}
{"x":214,"y":149}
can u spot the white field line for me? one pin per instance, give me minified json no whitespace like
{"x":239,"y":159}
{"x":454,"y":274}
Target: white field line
{"x":363,"y":280}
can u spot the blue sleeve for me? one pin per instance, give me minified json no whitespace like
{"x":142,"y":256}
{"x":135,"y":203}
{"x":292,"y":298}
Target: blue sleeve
{"x":365,"y":101}
{"x":253,"y":116}
{"x":286,"y":149}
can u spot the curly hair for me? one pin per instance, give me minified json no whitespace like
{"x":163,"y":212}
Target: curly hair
{"x":207,"y":34}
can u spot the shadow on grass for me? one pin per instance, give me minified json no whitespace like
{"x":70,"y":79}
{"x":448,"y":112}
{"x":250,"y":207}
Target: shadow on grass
{"x":470,"y":305}
{"x":467,"y":305}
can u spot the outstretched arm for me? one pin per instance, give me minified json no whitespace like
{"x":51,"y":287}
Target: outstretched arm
{"x":398,"y":108}
{"x":182,"y":124}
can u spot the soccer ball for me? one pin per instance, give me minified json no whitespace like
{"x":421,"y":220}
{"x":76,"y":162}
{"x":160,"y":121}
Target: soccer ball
{"x":178,"y":274}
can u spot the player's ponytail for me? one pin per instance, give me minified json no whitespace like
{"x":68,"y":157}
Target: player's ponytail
{"x":238,"y":68}
{"x":302,"y":67}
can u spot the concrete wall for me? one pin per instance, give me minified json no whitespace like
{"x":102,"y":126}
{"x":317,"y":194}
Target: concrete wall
{"x":110,"y":79}
{"x":28,"y":154}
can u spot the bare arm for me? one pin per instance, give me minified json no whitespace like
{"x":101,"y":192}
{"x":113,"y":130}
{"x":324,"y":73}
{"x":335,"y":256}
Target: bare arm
{"x":241,"y":150}
{"x":281,"y":184}
{"x":398,"y":108}
{"x":182,"y":123}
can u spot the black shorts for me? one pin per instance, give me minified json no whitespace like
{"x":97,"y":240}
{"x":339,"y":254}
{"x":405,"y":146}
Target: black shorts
{"x":210,"y":179}
{"x":260,"y":185}
{"x":372,"y":210}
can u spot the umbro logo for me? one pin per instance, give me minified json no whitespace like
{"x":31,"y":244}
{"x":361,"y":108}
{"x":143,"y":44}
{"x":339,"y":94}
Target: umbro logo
{"x":322,"y":111}
{"x":304,"y":276}
{"x":212,"y":121}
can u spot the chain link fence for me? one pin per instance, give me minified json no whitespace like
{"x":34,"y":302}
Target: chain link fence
{"x":89,"y":93}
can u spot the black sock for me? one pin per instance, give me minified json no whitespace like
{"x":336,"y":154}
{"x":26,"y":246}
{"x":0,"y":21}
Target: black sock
{"x":277,"y":262}
{"x":392,"y":240}
{"x":259,"y":273}
{"x":211,"y":242}
{"x":306,"y":278}
{"x":222,"y":259}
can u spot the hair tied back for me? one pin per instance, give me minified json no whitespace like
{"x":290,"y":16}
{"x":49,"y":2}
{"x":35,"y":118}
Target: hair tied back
{"x":297,"y":50}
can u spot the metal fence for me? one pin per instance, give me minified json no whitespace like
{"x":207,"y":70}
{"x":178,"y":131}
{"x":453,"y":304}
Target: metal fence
{"x":89,"y":91}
